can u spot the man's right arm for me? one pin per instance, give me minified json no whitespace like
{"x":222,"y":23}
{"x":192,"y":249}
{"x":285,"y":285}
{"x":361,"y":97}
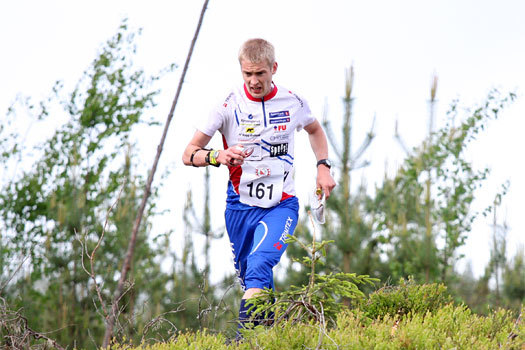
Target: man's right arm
{"x":195,"y":148}
{"x":195,"y":155}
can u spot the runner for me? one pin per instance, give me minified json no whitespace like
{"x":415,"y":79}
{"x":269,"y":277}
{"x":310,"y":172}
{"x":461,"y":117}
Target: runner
{"x":257,"y":123}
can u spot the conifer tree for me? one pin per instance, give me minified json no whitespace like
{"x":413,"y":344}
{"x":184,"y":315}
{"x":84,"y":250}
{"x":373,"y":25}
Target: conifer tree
{"x":347,"y":223}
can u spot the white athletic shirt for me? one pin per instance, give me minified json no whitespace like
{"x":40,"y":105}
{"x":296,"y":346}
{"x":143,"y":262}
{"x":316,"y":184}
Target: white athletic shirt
{"x":265,"y":128}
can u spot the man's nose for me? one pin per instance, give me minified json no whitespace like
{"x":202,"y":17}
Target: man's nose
{"x":253,"y":80}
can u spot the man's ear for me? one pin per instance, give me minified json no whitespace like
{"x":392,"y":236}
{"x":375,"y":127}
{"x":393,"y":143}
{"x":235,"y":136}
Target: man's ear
{"x":274,"y":68}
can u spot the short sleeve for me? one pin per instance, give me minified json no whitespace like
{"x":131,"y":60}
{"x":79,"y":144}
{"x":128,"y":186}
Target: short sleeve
{"x":304,"y":114}
{"x":213,"y":123}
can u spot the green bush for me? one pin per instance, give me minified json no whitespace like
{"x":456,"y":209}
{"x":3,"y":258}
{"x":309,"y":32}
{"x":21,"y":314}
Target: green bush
{"x":406,"y":316}
{"x":447,"y":327}
{"x":406,"y":298}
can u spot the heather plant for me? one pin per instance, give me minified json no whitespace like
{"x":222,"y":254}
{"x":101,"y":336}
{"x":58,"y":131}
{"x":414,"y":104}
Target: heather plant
{"x":405,"y":298}
{"x":448,"y":327}
{"x":406,"y":316}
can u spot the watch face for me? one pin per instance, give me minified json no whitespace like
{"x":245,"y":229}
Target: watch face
{"x":326,"y":162}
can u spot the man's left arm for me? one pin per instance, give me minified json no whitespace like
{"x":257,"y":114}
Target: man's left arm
{"x":319,"y":145}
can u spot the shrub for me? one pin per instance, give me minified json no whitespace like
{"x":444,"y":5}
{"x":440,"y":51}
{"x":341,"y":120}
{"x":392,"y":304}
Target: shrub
{"x":406,"y":298}
{"x":446,"y":327}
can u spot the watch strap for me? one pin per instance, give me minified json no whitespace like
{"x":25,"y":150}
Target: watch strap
{"x":324,"y":162}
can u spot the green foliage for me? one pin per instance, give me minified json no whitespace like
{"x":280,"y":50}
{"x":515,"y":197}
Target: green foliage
{"x":429,"y":199}
{"x":81,"y":186}
{"x":405,"y":298}
{"x":418,"y":219}
{"x":348,"y":224}
{"x":448,"y":327}
{"x":203,"y":305}
{"x":318,"y":301}
{"x":514,"y":280}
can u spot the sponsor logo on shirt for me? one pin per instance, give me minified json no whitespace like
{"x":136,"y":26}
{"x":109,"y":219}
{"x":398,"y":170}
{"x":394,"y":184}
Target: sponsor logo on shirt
{"x":279,"y":128}
{"x":249,"y":130}
{"x":227,"y":99}
{"x":279,"y":114}
{"x":279,"y":121}
{"x":279,"y":150}
{"x":262,"y":171}
{"x":250,"y":125}
{"x":280,"y":137}
{"x":245,"y":138}
{"x":250,"y":122}
{"x":249,"y":136}
{"x":298,"y":99}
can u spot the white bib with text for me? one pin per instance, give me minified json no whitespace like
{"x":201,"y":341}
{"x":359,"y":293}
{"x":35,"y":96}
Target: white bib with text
{"x":261,"y":182}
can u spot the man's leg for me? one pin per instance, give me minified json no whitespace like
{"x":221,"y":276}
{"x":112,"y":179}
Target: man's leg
{"x":257,"y":237}
{"x":268,"y":247}
{"x":241,"y":225}
{"x":269,"y":244}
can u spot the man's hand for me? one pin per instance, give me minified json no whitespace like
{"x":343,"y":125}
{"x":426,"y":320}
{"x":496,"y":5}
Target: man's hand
{"x":232,"y":156}
{"x":325,"y":181}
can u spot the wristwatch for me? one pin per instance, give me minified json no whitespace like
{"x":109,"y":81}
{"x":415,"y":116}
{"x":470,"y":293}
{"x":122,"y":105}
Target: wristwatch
{"x":325,"y":162}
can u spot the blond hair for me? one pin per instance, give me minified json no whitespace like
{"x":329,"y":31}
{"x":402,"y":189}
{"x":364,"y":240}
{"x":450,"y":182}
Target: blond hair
{"x":257,"y":50}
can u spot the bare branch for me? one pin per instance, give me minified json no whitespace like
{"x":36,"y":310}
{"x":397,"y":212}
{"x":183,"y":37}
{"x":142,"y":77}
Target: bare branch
{"x":91,"y":256}
{"x":400,"y":140}
{"x":18,"y":330}
{"x":331,"y":139}
{"x":13,"y":274}
{"x":329,"y":132}
{"x":161,"y":319}
{"x":363,"y":164}
{"x":131,"y":246}
{"x":366,"y":143}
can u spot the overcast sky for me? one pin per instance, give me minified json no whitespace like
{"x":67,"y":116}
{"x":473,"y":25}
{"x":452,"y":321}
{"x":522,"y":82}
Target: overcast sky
{"x":394,"y":46}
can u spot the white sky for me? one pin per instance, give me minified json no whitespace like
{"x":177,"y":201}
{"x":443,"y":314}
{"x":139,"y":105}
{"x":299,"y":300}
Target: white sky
{"x":395,"y":47}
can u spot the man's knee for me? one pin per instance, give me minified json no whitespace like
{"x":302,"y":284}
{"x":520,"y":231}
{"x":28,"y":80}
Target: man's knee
{"x":259,"y":272}
{"x":251,"y":292}
{"x":261,"y":264}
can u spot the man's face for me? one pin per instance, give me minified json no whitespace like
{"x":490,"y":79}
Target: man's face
{"x":258,"y":77}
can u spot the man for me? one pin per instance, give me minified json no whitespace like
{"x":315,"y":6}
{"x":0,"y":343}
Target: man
{"x":257,"y":123}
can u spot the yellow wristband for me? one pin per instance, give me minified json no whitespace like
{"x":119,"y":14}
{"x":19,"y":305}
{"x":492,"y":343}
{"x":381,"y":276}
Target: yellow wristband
{"x":214,"y":154}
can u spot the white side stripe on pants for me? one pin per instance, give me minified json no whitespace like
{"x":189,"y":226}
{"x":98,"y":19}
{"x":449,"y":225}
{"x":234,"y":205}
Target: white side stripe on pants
{"x":262,"y":239}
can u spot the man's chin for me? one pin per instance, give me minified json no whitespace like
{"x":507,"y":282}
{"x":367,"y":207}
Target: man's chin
{"x":257,"y":93}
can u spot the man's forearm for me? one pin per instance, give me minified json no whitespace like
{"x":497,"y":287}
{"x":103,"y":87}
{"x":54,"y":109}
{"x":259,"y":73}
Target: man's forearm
{"x":319,"y":143}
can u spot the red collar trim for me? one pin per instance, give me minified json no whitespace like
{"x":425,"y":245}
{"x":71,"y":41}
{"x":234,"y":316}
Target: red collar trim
{"x":265,"y":98}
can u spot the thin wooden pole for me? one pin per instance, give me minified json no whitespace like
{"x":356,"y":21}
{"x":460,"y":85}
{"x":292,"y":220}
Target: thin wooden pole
{"x":110,"y":319}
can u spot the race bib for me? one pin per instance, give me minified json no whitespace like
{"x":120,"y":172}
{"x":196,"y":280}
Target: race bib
{"x":261,"y":183}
